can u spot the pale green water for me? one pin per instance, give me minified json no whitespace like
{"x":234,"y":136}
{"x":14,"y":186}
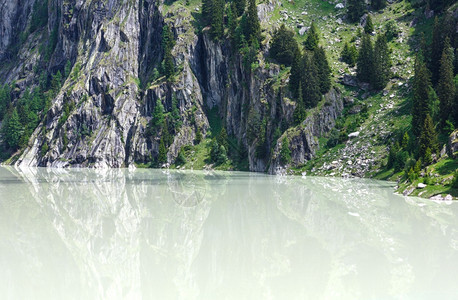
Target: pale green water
{"x":149,"y":234}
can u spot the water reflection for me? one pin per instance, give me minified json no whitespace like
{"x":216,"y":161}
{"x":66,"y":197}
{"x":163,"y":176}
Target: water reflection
{"x":153,"y":234}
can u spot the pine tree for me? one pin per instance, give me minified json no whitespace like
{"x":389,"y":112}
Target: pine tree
{"x":240,"y":7}
{"x":421,"y":93}
{"x":446,"y":85}
{"x":369,"y":27}
{"x":284,"y":46}
{"x":378,"y":4}
{"x":12,"y":130}
{"x":168,"y":43}
{"x":158,"y":115}
{"x":442,"y":30}
{"x":382,"y":63}
{"x":56,"y":83}
{"x":296,"y":72}
{"x":365,"y":63}
{"x":162,"y":154}
{"x":355,"y":9}
{"x":216,"y":19}
{"x":252,"y":27}
{"x":323,"y":69}
{"x":222,"y":138}
{"x":349,"y":54}
{"x":285,"y":152}
{"x":4,"y":99}
{"x":428,"y":138}
{"x":313,"y":39}
{"x":310,"y":84}
{"x":231,"y":19}
{"x":299,"y":113}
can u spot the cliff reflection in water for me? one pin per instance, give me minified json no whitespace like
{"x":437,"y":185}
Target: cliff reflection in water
{"x":152,"y":234}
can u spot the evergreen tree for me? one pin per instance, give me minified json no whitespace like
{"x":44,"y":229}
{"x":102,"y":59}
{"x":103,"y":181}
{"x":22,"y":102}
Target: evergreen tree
{"x":285,"y":152}
{"x":421,"y":95}
{"x":216,"y":18}
{"x":231,"y":19}
{"x":296,"y":72}
{"x":252,"y":26}
{"x":240,"y":7}
{"x":378,"y":4}
{"x":369,"y":27}
{"x":56,"y":83}
{"x":446,"y":85}
{"x":355,"y":9}
{"x":323,"y":69}
{"x":162,"y":154}
{"x":198,"y":138}
{"x":382,"y":63}
{"x":313,"y":39}
{"x":222,"y":138}
{"x":158,"y":115}
{"x":442,"y":29}
{"x":168,"y":43}
{"x":365,"y":63}
{"x":428,"y":138}
{"x":4,"y":99}
{"x":12,"y":130}
{"x":349,"y":54}
{"x":310,"y":84}
{"x":284,"y":46}
{"x":299,"y":113}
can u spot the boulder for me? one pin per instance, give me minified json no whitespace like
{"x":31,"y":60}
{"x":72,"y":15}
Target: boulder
{"x":421,"y":185}
{"x":353,"y":134}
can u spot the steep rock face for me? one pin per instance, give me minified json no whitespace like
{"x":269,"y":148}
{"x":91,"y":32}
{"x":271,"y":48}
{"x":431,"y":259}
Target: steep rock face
{"x":101,"y":114}
{"x":14,"y":16}
{"x":303,"y":139}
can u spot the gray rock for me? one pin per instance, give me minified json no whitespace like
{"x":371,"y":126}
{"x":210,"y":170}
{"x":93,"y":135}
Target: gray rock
{"x":421,"y":185}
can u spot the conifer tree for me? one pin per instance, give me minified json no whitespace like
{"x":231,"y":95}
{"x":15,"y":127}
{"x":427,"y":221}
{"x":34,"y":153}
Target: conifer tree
{"x":167,"y":43}
{"x":158,"y":115}
{"x":442,"y":29}
{"x":428,"y":138}
{"x":222,"y":138}
{"x":369,"y":27}
{"x":355,"y":9}
{"x":382,"y":63}
{"x":349,"y":54}
{"x":240,"y":7}
{"x":216,"y":19}
{"x":296,"y":72}
{"x":162,"y":153}
{"x":446,"y":85}
{"x":323,"y":69}
{"x":378,"y":4}
{"x":284,"y":46}
{"x":310,"y":84}
{"x":299,"y":113}
{"x":365,"y":63}
{"x":12,"y":130}
{"x":421,"y":92}
{"x":4,"y":99}
{"x":313,"y":39}
{"x":252,"y":26}
{"x":285,"y":152}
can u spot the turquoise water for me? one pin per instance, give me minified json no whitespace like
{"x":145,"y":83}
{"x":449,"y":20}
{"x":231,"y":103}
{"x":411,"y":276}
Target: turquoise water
{"x":153,"y":234}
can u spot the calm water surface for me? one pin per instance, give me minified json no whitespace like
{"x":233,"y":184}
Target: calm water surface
{"x":152,"y":234}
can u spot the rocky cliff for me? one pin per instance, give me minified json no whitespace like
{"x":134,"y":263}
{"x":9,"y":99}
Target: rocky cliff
{"x":100,"y":116}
